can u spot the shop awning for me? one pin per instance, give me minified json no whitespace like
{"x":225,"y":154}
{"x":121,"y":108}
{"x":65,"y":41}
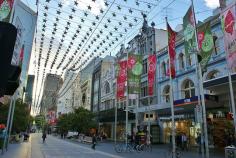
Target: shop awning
{"x":218,"y":81}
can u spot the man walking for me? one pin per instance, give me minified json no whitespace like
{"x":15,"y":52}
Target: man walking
{"x":94,"y":140}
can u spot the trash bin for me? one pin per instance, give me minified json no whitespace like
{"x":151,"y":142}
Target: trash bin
{"x":230,"y":152}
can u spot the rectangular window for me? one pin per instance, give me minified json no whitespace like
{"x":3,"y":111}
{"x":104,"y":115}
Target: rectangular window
{"x":145,"y":66}
{"x":144,"y":89}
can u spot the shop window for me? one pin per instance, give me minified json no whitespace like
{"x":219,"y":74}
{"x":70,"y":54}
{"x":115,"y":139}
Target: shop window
{"x":181,"y":61}
{"x":188,"y":89}
{"x":163,"y":69}
{"x":146,"y":115}
{"x":166,"y":94}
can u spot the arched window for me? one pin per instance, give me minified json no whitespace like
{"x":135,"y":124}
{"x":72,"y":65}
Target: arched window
{"x":166,"y":94}
{"x":213,"y":74}
{"x":107,"y":87}
{"x":188,"y":89}
{"x":163,"y":69}
{"x":181,"y":61}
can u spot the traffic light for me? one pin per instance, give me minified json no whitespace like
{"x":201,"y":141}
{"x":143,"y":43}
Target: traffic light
{"x":8,"y":33}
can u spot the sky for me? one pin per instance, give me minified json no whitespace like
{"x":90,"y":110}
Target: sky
{"x":173,"y":9}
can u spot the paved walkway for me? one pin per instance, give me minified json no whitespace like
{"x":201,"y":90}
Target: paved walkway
{"x":58,"y":148}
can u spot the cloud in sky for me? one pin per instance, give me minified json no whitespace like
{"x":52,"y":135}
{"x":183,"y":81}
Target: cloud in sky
{"x":83,"y":5}
{"x":212,"y":3}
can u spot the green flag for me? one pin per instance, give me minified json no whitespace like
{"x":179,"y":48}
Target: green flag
{"x":189,"y":32}
{"x":135,"y":69}
{"x":205,"y":44}
{"x":5,"y":9}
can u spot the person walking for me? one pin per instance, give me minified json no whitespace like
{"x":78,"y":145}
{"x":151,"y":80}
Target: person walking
{"x":94,"y":141}
{"x":184,"y":142}
{"x":44,"y":136}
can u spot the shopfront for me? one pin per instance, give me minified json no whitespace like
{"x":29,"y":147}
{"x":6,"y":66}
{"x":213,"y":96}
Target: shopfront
{"x":183,"y":125}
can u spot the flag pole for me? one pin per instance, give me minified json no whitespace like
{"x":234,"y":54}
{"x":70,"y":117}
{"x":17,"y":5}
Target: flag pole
{"x":172,"y":107}
{"x":127,"y":102}
{"x":201,"y":88}
{"x":115,"y":110}
{"x":223,"y":5}
{"x":232,"y":99}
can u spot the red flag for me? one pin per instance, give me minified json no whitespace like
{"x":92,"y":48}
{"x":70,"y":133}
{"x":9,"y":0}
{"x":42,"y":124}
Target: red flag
{"x":171,"y":48}
{"x":121,"y":78}
{"x":22,"y":53}
{"x":151,"y":73}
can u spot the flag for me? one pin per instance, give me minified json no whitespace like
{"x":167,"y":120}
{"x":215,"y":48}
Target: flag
{"x":5,"y":9}
{"x":151,"y":72}
{"x":189,"y":32}
{"x":205,"y":44}
{"x":228,"y":21}
{"x":21,"y":55}
{"x":121,"y":78}
{"x":171,"y":52}
{"x":135,"y":69}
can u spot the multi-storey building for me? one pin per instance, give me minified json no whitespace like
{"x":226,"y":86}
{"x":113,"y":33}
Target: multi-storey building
{"x":185,"y":90}
{"x":29,"y":89}
{"x":51,"y":87}
{"x":25,"y":21}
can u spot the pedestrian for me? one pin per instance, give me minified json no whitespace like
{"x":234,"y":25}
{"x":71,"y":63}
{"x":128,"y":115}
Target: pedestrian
{"x":94,"y":141}
{"x":184,"y":142}
{"x":198,"y":140}
{"x":148,"y":138}
{"x":44,"y":136}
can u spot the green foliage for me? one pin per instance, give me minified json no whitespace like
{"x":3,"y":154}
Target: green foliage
{"x":40,"y":121}
{"x":21,"y":119}
{"x":81,"y":120}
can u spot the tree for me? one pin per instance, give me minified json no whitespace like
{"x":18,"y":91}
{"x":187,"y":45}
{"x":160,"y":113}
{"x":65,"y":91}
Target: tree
{"x":81,"y":120}
{"x":21,"y":119}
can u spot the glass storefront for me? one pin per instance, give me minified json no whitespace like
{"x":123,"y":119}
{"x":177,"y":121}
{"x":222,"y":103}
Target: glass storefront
{"x":187,"y":127}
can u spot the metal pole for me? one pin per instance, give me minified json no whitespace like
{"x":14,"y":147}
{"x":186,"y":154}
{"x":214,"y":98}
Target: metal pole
{"x":136,"y":113}
{"x":172,"y":109}
{"x":12,"y":116}
{"x":204,"y":114}
{"x":115,"y":113}
{"x":232,"y":99}
{"x":5,"y":145}
{"x":127,"y":104}
{"x":201,"y":89}
{"x":199,"y":104}
{"x":149,"y":123}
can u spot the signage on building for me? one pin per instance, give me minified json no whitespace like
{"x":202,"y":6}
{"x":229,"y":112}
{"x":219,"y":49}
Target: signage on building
{"x":18,"y":44}
{"x":194,"y":99}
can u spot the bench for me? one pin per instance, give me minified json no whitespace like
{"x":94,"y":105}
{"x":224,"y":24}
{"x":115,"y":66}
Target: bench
{"x":87,"y":139}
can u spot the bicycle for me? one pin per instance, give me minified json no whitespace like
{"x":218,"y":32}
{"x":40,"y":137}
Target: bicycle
{"x":145,"y":147}
{"x":178,"y":153}
{"x":119,"y":148}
